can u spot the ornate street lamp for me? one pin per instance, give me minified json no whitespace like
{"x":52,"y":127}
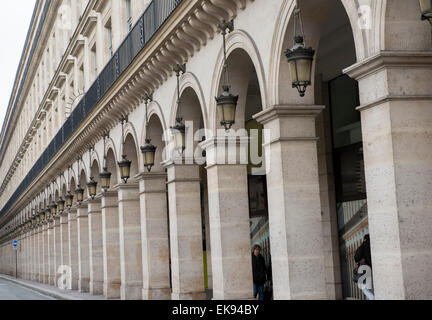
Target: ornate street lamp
{"x":79,"y":192}
{"x":105,"y":176}
{"x":179,"y":130}
{"x":125,"y":164}
{"x":300,"y":58}
{"x":60,"y":205}
{"x":148,"y":150}
{"x":226,"y":102}
{"x":53,"y":208}
{"x":92,"y":185}
{"x":426,"y":10}
{"x":69,"y":199}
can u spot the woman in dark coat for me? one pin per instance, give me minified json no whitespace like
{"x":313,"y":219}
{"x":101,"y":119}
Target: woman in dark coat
{"x":259,"y":271}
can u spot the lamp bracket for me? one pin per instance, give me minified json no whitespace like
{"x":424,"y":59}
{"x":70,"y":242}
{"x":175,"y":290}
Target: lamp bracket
{"x":226,"y":25}
{"x":180,"y":69}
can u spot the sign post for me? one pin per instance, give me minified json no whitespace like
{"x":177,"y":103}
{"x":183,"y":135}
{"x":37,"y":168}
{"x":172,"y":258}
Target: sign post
{"x":15,"y":246}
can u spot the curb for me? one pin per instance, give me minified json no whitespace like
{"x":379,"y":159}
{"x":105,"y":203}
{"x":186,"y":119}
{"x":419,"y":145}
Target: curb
{"x":38,"y":289}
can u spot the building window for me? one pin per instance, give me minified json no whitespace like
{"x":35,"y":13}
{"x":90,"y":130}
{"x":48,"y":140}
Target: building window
{"x":128,"y":15}
{"x":109,"y":39}
{"x":94,"y":61}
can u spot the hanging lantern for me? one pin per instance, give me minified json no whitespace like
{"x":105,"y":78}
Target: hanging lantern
{"x":69,"y":199}
{"x":60,"y":205}
{"x":179,"y":132}
{"x":226,"y":108}
{"x":42,"y":216}
{"x":92,"y":186}
{"x":125,"y":167}
{"x":300,"y":58}
{"x":125,"y":164}
{"x":53,"y":208}
{"x":105,"y":178}
{"x":79,"y":192}
{"x":149,"y":152}
{"x":226,"y":102}
{"x":426,"y":10}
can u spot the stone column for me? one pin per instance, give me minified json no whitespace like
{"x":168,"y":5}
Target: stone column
{"x":38,"y":275}
{"x":187,"y":267}
{"x":154,"y":235}
{"x":51,"y":247}
{"x":294,"y":201}
{"x":229,"y":217}
{"x":95,"y":246}
{"x":83,"y":248}
{"x":111,"y":245}
{"x":73,"y":247}
{"x":396,"y":120}
{"x":130,"y":241}
{"x":64,"y":231}
{"x":57,"y":247}
{"x":46,"y":253}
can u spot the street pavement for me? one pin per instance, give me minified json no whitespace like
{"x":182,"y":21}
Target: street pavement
{"x":11,"y":291}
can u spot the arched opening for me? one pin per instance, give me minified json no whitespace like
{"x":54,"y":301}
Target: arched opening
{"x":130,"y":150}
{"x":111,"y":165}
{"x":95,"y":170}
{"x":340,"y":152}
{"x":244,"y":82}
{"x":340,"y":160}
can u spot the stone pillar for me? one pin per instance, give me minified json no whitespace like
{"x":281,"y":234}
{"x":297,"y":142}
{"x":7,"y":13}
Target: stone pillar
{"x":57,"y":247}
{"x":294,"y":201}
{"x":111,"y":245}
{"x":229,"y":218}
{"x":130,"y":241}
{"x":46,"y":253}
{"x":73,"y":247}
{"x":396,"y":120}
{"x":95,"y":247}
{"x":38,"y":276}
{"x":187,"y":267}
{"x":154,"y":235}
{"x":83,"y":249}
{"x":51,"y":247}
{"x":64,"y":231}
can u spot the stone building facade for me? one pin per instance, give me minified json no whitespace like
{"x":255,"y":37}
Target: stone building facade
{"x":353,"y":156}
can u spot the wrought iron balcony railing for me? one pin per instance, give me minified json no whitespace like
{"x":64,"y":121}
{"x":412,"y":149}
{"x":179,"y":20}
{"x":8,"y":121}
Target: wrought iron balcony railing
{"x":153,"y":18}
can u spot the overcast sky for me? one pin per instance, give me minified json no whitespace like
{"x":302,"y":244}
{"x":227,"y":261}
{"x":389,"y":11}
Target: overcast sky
{"x":15,"y":19}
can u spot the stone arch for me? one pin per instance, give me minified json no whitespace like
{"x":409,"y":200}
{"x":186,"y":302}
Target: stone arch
{"x":131,"y":149}
{"x":280,"y":90}
{"x":111,"y":163}
{"x":129,"y":130}
{"x":158,"y":134}
{"x":155,"y":110}
{"x":190,"y":81}
{"x":238,"y":39}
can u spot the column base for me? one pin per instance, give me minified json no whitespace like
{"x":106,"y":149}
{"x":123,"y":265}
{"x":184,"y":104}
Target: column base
{"x":189,"y":296}
{"x":156,"y":294}
{"x":131,"y":292}
{"x":111,"y":290}
{"x":84,"y":285}
{"x":96,"y":288}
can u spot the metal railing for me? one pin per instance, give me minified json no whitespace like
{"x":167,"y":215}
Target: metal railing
{"x":153,"y":18}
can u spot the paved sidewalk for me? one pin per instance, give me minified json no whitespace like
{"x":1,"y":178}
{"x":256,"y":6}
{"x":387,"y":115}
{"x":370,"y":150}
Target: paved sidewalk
{"x":52,"y":291}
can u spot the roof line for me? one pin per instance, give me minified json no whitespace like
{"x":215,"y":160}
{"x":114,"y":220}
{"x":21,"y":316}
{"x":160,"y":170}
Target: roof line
{"x":15,"y":88}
